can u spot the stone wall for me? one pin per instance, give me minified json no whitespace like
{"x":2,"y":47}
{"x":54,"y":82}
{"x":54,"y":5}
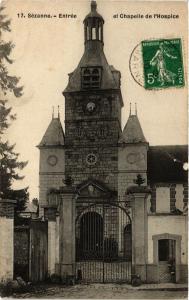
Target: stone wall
{"x":126,"y":179}
{"x":6,"y":249}
{"x":105,"y":169}
{"x":7,"y":239}
{"x":92,"y":133}
{"x":50,"y":176}
{"x":128,"y":169}
{"x":51,"y":246}
{"x":107,"y":104}
{"x":48,"y":181}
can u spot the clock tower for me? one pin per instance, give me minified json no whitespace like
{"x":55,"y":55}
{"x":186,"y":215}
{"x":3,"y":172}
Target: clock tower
{"x":93,"y":103}
{"x":95,"y":156}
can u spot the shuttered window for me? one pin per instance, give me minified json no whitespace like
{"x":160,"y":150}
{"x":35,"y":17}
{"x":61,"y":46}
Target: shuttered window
{"x":91,"y":78}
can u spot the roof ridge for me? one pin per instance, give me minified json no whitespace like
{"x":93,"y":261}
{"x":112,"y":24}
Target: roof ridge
{"x":132,"y":132}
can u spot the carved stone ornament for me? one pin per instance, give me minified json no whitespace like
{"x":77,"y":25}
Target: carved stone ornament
{"x":52,"y":160}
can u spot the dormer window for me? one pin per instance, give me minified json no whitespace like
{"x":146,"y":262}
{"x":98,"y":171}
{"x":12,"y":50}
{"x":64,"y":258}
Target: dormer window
{"x":91,"y":77}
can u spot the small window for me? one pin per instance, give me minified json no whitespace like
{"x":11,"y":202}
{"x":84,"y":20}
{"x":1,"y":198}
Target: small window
{"x":88,"y":36}
{"x":91,"y":78}
{"x":93,"y":33}
{"x":99,"y":33}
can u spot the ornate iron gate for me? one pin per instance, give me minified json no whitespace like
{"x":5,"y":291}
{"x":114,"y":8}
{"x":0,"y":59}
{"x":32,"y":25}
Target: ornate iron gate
{"x":103,"y":243}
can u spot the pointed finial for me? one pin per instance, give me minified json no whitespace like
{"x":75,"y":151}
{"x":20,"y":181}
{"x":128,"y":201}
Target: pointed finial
{"x":93,"y":5}
{"x":130,"y":109}
{"x":53,"y":112}
{"x":135,"y":108}
{"x":58,"y":112}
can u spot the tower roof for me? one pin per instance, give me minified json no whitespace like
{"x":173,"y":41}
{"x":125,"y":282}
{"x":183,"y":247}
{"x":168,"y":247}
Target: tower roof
{"x":132,"y":132}
{"x":93,"y":13}
{"x":94,"y":56}
{"x":54,"y":135}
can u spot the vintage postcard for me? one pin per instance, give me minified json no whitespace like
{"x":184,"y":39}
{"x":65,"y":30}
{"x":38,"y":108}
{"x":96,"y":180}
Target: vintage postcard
{"x":93,"y":149}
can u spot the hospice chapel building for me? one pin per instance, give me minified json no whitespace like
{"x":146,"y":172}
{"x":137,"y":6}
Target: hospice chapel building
{"x":115,"y":205}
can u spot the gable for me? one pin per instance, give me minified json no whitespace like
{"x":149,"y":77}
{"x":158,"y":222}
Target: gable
{"x":92,"y":189}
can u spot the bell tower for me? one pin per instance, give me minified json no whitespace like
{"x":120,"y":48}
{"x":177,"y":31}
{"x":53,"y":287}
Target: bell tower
{"x":93,"y":103}
{"x":93,"y":25}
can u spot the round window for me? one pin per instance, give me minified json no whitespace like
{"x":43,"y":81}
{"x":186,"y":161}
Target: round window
{"x":52,"y":160}
{"x":91,"y":159}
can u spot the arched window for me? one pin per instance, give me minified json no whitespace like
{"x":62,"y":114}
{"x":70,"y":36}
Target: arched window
{"x":99,"y":33}
{"x":93,"y":33}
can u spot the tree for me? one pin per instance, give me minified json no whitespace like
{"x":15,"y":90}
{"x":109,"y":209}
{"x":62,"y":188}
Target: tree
{"x":7,"y":83}
{"x":9,"y":163}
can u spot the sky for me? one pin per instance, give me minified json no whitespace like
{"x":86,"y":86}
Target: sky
{"x":46,"y":50}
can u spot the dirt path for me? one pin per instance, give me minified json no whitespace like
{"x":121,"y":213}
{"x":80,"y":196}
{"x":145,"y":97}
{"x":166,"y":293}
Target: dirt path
{"x":100,"y":291}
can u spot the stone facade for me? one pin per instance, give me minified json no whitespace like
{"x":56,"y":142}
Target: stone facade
{"x":92,"y":133}
{"x":103,"y":162}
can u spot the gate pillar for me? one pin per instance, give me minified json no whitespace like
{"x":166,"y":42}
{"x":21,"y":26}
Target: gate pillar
{"x":7,"y":239}
{"x":139,"y":230}
{"x":51,"y":216}
{"x":67,"y":232}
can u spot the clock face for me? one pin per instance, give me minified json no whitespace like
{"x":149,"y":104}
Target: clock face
{"x":91,"y":159}
{"x":52,"y":160}
{"x":135,"y":157}
{"x":91,"y":106}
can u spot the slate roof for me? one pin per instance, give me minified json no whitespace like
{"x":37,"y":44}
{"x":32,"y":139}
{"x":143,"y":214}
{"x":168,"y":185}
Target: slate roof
{"x":132,"y":132}
{"x":165,"y":163}
{"x":93,"y":13}
{"x":94,"y":57}
{"x":54,"y":135}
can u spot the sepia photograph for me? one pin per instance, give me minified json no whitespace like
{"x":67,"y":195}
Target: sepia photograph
{"x":93,"y":149}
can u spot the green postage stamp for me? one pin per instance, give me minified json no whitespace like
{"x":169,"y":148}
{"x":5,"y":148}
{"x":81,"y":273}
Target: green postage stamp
{"x":163,"y":63}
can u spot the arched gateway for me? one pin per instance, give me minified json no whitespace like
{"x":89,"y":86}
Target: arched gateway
{"x":103,"y":247}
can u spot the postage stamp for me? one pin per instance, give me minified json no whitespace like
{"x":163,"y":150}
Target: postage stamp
{"x":162,"y":63}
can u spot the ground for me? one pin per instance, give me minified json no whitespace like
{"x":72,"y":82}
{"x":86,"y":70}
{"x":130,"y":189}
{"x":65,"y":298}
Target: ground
{"x":102,"y":291}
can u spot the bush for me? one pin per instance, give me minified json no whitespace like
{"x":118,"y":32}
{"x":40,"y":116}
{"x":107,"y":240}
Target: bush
{"x":14,"y":286}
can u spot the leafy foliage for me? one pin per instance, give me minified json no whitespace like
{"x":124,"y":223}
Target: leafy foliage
{"x":7,"y":82}
{"x":9,"y":163}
